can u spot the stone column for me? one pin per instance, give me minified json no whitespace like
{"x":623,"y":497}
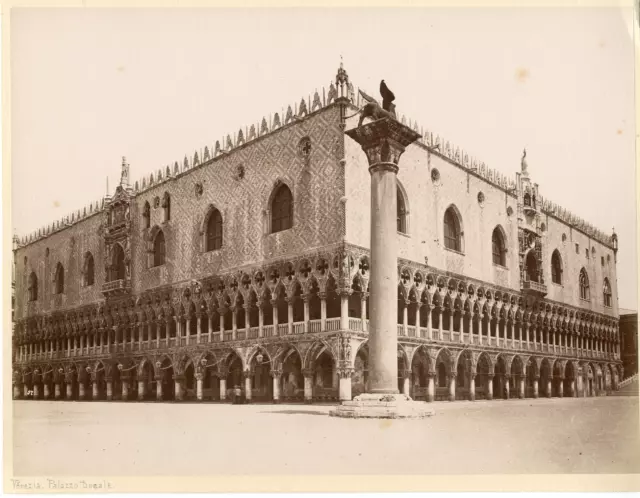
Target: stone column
{"x":221,"y":314}
{"x":506,"y":386}
{"x":344,"y":388}
{"x":521,"y":387}
{"x":223,"y":388}
{"x":81,"y":392}
{"x":274,"y":311}
{"x":290,"y":315}
{"x":36,"y":391}
{"x":47,"y":393}
{"x":535,"y":387}
{"x":109,"y":389}
{"x":305,"y":300}
{"x":57,"y":394}
{"x":247,"y":321}
{"x":178,"y":381}
{"x":199,"y":395}
{"x":560,"y":387}
{"x":247,"y":385}
{"x":308,"y":386}
{"x":125,"y":389}
{"x":210,"y":327}
{"x":141,"y":390}
{"x":260,"y":319}
{"x":472,"y":387}
{"x":405,"y":318}
{"x":158,"y":388}
{"x":406,"y":385}
{"x":431,"y":388}
{"x":69,"y":390}
{"x":452,"y":386}
{"x":276,"y":386}
{"x":429,"y":308}
{"x":16,"y":391}
{"x":548,"y":387}
{"x":344,"y":309}
{"x":323,"y":310}
{"x":363,"y":310}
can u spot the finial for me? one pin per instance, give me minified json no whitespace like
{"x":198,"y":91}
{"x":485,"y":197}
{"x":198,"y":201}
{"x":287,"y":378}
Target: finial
{"x":124,"y":174}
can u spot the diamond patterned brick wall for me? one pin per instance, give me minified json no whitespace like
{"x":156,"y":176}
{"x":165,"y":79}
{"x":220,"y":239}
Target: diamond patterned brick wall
{"x":316,"y":182}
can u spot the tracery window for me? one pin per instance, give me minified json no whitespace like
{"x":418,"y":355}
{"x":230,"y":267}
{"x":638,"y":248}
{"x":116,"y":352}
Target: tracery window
{"x":117,"y":264}
{"x":498,"y":247}
{"x":607,"y":293}
{"x":59,"y":279}
{"x":214,"y":231}
{"x":89,"y":269}
{"x":556,"y":268}
{"x":282,"y":210}
{"x":401,"y":212}
{"x":584,"y":284}
{"x":33,"y":287}
{"x":532,"y":267}
{"x":159,"y":249}
{"x":452,"y":233}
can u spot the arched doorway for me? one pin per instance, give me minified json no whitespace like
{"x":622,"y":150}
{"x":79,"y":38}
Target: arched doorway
{"x":499,"y":379}
{"x":402,"y":367}
{"x":463,"y":376}
{"x":75,"y":388}
{"x":166,"y":380}
{"x":558,"y":373}
{"x":324,"y":377}
{"x":210,"y":380}
{"x":482,"y":377}
{"x":118,"y":265}
{"x":261,"y":381}
{"x":360,"y":379}
{"x":531,"y":372}
{"x":420,"y":371}
{"x":234,"y":376}
{"x":292,"y":380}
{"x":443,"y":370}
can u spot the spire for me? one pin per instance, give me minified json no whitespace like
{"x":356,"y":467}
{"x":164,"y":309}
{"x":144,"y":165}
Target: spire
{"x":342,"y":77}
{"x":523,"y":163}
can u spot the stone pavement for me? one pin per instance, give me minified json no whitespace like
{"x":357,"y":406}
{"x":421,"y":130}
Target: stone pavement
{"x":586,"y":435}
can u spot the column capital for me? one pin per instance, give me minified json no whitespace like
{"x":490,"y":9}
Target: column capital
{"x":345,"y":373}
{"x":276,"y":374}
{"x":307,"y":372}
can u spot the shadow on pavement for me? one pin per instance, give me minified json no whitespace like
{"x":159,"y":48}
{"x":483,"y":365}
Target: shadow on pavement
{"x":298,"y":412}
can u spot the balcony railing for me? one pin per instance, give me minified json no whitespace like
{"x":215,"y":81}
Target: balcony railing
{"x":115,"y":287}
{"x":531,"y":287}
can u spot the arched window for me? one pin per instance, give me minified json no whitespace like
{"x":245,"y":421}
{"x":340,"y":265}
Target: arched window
{"x":452,"y":233}
{"x":527,"y":199}
{"x":499,"y":247}
{"x":282,"y":210}
{"x":159,"y":249}
{"x":401,"y":212}
{"x":556,"y":268}
{"x":532,"y":267}
{"x":89,"y":271}
{"x":607,"y":293}
{"x":59,"y":279}
{"x":117,"y":263}
{"x":214,"y":231}
{"x":166,"y":206}
{"x":584,"y":284}
{"x":146,"y":215}
{"x":33,"y":287}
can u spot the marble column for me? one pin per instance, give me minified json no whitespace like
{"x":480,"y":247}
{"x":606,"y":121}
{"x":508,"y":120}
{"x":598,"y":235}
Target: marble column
{"x":535,"y":387}
{"x":109,"y":390}
{"x":431,"y":388}
{"x":363,"y":310}
{"x":452,"y":386}
{"x":506,"y":386}
{"x":57,"y":393}
{"x":521,"y":387}
{"x":344,"y":309}
{"x":179,"y":394}
{"x":560,"y":387}
{"x":223,"y":388}
{"x":158,"y":388}
{"x":125,"y":389}
{"x":81,"y":392}
{"x":472,"y":387}
{"x":47,"y":392}
{"x":345,"y":384}
{"x":69,"y":390}
{"x":199,"y":394}
{"x":276,"y":386}
{"x":406,"y":385}
{"x":141,"y":390}
{"x":247,"y":386}
{"x":308,"y":386}
{"x":549,"y":387}
{"x":36,"y":391}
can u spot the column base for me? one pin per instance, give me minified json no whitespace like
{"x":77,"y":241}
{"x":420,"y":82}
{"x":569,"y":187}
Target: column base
{"x":370,"y":405}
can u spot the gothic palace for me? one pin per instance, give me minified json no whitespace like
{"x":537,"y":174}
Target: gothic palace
{"x":247,"y":266}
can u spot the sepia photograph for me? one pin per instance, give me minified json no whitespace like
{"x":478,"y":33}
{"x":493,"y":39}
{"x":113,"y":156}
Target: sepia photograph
{"x":302,"y":249}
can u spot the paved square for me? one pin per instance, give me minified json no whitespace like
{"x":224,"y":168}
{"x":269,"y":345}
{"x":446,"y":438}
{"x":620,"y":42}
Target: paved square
{"x":591,"y":435}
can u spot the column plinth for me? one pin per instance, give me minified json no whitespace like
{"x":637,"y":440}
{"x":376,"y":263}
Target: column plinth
{"x":383,"y":141}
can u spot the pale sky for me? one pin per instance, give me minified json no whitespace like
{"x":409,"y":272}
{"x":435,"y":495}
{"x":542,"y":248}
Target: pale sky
{"x":91,"y":86}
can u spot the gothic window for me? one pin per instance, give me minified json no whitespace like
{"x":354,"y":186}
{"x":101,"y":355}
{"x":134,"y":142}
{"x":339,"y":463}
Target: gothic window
{"x":527,"y":199}
{"x":401,"y":212}
{"x":214,"y":231}
{"x":59,"y":279}
{"x":282,"y":210}
{"x":33,"y":287}
{"x":499,"y":247}
{"x":607,"y":293}
{"x":117,"y":263}
{"x":532,"y":267}
{"x":452,"y":232}
{"x":146,"y":215}
{"x":89,"y":271}
{"x":584,"y":284}
{"x":159,"y":249}
{"x":556,"y":268}
{"x":166,"y":207}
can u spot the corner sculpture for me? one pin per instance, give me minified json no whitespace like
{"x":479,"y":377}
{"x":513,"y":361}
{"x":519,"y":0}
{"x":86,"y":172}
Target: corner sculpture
{"x":372,"y":108}
{"x":383,"y":141}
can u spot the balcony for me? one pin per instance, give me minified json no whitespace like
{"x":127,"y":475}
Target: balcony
{"x":116,"y":288}
{"x":534,"y":288}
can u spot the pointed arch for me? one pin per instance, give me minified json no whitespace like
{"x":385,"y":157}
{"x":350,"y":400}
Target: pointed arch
{"x":583,"y":282}
{"x":33,"y":286}
{"x":453,"y":230}
{"x":606,"y":293}
{"x":499,"y":246}
{"x":281,"y":207}
{"x":159,"y":249}
{"x":556,"y":268}
{"x":402,"y":208}
{"x":59,"y":279}
{"x":212,"y":229}
{"x":88,"y":270}
{"x":146,"y":215}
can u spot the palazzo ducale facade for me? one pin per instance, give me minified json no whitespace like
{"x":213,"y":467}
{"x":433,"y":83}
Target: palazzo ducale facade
{"x":246,"y":266}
